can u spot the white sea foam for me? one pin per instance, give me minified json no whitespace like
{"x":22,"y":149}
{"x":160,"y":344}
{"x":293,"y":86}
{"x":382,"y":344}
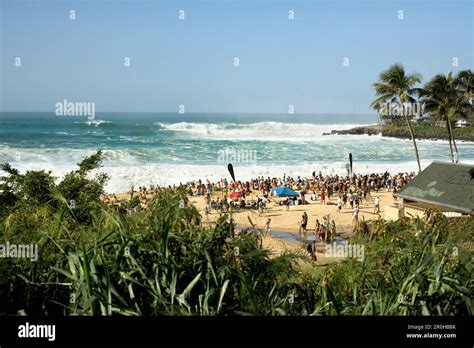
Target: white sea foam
{"x":94,"y":122}
{"x":122,"y":176}
{"x":169,"y":174}
{"x":142,"y":166}
{"x":63,"y":133}
{"x":277,"y":131}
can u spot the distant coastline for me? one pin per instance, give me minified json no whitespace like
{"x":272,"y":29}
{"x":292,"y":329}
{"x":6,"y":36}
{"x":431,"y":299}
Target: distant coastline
{"x":401,"y":132}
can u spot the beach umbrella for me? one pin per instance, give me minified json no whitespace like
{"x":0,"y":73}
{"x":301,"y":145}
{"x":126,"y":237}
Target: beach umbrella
{"x":234,"y":195}
{"x":230,"y":167}
{"x":284,"y":191}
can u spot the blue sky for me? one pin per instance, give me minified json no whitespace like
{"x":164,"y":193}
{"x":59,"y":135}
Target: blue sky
{"x":190,"y":62}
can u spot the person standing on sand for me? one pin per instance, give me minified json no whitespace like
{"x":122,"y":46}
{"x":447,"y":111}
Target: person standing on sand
{"x":377,"y":205}
{"x":339,"y":204}
{"x":356,"y":214}
{"x":302,"y":193}
{"x":323,"y":196}
{"x":328,"y":235}
{"x":326,"y":227}
{"x":260,"y":205}
{"x":333,"y":230}
{"x":303,"y":224}
{"x":389,"y":184}
{"x":266,"y":228}
{"x":207,"y":200}
{"x":320,"y":233}
{"x":316,"y":228}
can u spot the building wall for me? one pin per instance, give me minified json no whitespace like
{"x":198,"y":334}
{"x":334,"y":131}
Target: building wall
{"x":409,"y":210}
{"x":412,"y":211}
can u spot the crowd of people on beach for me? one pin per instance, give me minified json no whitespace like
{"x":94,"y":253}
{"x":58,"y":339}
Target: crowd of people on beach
{"x":256,"y":193}
{"x":342,"y":191}
{"x":349,"y":190}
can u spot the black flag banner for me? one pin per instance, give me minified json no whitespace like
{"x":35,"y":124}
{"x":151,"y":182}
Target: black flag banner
{"x":350,"y":161}
{"x":230,"y":167}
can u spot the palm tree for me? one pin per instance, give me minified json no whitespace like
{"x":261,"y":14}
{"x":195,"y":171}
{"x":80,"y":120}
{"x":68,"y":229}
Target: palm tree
{"x":447,"y":98}
{"x":395,"y":86}
{"x":466,"y":84}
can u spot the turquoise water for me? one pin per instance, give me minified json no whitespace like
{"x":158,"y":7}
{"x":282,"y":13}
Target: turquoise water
{"x":167,"y":148}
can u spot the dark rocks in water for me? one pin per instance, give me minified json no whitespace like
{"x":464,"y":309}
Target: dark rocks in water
{"x":369,"y":130}
{"x":400,"y":133}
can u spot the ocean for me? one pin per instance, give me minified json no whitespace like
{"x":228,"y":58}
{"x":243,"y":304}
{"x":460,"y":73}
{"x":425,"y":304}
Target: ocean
{"x":169,"y":148}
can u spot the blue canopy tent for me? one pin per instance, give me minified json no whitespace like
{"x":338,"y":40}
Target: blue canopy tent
{"x":284,"y":191}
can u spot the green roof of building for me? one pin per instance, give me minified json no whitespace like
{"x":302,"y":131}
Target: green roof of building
{"x":443,"y":184}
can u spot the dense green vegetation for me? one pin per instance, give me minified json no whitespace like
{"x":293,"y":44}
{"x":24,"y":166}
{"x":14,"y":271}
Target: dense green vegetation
{"x":426,"y":131}
{"x":100,"y":260}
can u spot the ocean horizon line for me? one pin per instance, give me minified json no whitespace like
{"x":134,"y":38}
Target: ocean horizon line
{"x":206,"y":113}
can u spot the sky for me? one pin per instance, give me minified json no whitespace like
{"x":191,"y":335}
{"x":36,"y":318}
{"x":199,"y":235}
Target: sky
{"x":191,"y":61}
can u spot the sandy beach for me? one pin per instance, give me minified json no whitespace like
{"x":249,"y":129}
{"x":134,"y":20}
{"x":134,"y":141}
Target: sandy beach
{"x":289,"y":220}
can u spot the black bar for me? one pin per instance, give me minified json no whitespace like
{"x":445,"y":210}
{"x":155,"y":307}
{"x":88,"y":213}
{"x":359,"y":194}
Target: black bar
{"x":242,"y":330}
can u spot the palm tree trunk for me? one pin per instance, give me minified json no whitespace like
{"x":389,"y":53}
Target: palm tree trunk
{"x":410,"y":128}
{"x":456,"y":153}
{"x":451,"y":135}
{"x":448,"y":127}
